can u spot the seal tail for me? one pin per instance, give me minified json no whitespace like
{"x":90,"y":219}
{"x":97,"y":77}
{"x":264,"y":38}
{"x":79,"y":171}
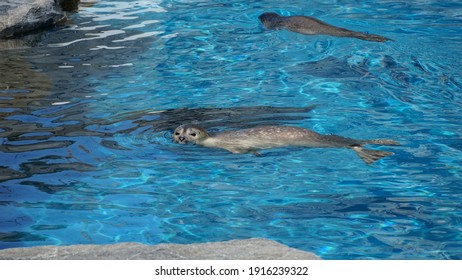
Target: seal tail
{"x":370,"y":156}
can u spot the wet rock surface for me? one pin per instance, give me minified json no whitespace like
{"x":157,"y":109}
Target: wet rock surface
{"x":248,"y":249}
{"x":20,"y":17}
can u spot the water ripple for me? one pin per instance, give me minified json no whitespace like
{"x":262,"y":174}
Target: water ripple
{"x":87,"y":114}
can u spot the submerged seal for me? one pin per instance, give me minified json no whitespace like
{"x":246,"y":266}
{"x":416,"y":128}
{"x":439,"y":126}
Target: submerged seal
{"x":265,"y":137}
{"x":310,"y":26}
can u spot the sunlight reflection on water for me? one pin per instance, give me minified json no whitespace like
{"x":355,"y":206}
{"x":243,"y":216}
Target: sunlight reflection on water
{"x":87,"y":115}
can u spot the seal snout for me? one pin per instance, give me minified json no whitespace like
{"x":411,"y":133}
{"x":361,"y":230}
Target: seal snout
{"x":182,"y":139}
{"x":179,"y":135}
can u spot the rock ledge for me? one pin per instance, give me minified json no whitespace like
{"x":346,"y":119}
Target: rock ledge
{"x":247,"y":249}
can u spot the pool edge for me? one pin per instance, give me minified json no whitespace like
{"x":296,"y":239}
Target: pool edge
{"x":245,"y":249}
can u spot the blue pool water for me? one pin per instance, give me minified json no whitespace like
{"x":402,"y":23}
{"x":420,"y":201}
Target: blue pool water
{"x":87,"y":113}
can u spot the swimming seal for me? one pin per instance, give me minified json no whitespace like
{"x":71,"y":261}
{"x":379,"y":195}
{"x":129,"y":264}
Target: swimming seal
{"x":265,"y":137}
{"x":311,"y":26}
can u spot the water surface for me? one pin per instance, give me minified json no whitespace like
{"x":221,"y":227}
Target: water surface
{"x":87,"y":112}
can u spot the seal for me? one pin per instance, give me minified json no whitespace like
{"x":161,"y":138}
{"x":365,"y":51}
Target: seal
{"x":251,"y":140}
{"x":311,"y":26}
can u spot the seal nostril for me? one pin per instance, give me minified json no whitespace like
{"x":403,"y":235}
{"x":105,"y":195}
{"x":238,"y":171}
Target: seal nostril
{"x":181,"y":138}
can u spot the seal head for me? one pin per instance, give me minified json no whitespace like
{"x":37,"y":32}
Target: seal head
{"x":189,"y":133}
{"x":271,"y":20}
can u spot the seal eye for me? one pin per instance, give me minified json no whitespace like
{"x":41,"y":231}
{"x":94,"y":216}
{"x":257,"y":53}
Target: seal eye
{"x":177,"y":133}
{"x":193,"y":134}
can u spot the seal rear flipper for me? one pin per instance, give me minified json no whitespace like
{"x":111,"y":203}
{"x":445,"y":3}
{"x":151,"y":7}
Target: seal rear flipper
{"x":370,"y":156}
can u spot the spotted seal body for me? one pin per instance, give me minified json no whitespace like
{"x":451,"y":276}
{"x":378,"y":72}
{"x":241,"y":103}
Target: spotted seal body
{"x":311,"y":26}
{"x":265,"y":137}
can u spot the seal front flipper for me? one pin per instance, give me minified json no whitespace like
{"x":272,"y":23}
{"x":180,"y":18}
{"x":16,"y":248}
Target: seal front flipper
{"x":370,"y":156}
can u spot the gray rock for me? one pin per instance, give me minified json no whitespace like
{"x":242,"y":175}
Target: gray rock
{"x":248,"y":249}
{"x":19,"y":17}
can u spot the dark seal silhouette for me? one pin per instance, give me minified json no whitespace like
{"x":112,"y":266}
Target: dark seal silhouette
{"x":311,"y":26}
